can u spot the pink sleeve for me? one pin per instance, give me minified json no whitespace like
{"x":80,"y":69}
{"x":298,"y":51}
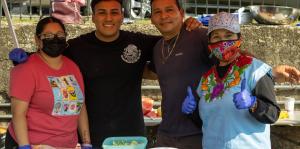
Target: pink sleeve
{"x":81,"y":2}
{"x":22,"y":83}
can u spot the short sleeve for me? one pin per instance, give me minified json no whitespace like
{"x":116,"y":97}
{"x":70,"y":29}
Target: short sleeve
{"x":148,"y":42}
{"x":22,"y":83}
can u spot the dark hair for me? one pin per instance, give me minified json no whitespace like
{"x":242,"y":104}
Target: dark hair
{"x":177,"y":4}
{"x":95,"y":2}
{"x":43,"y":22}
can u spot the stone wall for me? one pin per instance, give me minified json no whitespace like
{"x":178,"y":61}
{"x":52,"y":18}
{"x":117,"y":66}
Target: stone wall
{"x":273,"y":44}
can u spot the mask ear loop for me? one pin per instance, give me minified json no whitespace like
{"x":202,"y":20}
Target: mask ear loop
{"x":240,"y":38}
{"x":38,"y":44}
{"x":67,"y":45}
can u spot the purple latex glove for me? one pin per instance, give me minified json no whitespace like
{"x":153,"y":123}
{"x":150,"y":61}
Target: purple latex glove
{"x":86,"y":146}
{"x":18,"y":55}
{"x":243,"y":99}
{"x":25,"y":147}
{"x":189,"y":104}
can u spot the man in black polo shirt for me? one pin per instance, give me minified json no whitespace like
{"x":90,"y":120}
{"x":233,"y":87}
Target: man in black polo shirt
{"x":180,"y":59}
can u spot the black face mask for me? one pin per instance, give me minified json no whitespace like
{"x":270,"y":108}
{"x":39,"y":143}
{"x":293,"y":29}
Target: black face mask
{"x":54,"y":47}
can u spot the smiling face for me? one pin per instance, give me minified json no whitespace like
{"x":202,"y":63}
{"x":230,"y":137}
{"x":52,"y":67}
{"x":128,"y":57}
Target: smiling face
{"x":107,"y":18}
{"x":167,"y":17}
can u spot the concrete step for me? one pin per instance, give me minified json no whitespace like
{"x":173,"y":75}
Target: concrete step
{"x":4,"y":105}
{"x":277,"y":87}
{"x":153,"y":91}
{"x":6,"y":117}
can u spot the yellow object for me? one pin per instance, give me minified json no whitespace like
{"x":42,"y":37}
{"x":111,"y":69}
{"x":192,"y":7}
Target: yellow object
{"x":283,"y":115}
{"x":159,"y":111}
{"x":3,"y":130}
{"x":204,"y":85}
{"x":124,"y":143}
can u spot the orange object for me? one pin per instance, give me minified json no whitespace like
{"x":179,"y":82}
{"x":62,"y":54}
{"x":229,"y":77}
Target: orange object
{"x":147,"y":105}
{"x":151,"y":114}
{"x":3,"y":129}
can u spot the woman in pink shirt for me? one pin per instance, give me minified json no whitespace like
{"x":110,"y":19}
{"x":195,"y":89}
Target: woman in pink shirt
{"x":47,"y":95}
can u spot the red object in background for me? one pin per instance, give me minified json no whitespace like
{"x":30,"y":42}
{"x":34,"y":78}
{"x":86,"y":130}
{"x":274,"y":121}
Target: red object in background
{"x":147,"y":104}
{"x":151,"y":114}
{"x":68,"y":11}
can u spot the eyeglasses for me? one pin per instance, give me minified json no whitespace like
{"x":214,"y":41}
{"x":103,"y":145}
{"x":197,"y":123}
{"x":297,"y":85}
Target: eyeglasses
{"x":51,"y":35}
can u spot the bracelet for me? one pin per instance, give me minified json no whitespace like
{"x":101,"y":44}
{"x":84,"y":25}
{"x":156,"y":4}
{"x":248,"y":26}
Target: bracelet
{"x":86,"y":146}
{"x":254,"y":107}
{"x":25,"y":147}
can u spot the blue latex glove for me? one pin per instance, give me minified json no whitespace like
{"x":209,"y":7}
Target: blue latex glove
{"x":189,"y":104}
{"x":204,"y":20}
{"x":86,"y":146}
{"x":25,"y":147}
{"x":18,"y":55}
{"x":243,"y":99}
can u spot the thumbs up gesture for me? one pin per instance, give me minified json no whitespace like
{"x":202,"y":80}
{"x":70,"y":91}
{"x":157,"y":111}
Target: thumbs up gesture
{"x":189,"y":104}
{"x":243,"y":99}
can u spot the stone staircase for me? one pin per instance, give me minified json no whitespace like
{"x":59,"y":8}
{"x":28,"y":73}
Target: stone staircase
{"x":282,"y":136}
{"x":153,"y":91}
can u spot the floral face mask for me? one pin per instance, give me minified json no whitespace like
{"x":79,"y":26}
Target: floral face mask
{"x":225,"y":50}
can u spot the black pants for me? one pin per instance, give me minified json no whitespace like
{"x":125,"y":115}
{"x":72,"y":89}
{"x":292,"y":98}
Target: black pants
{"x":10,"y":143}
{"x":187,"y":142}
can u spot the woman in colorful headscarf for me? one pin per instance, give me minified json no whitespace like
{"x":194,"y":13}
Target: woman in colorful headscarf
{"x":237,"y":100}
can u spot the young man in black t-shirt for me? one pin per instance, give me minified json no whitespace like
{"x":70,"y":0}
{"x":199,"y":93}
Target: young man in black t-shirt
{"x":112,"y":63}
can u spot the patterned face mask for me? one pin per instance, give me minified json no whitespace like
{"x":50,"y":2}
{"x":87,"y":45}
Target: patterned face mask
{"x":225,"y":50}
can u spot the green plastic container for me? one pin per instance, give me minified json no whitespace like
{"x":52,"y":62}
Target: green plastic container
{"x":125,"y":143}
